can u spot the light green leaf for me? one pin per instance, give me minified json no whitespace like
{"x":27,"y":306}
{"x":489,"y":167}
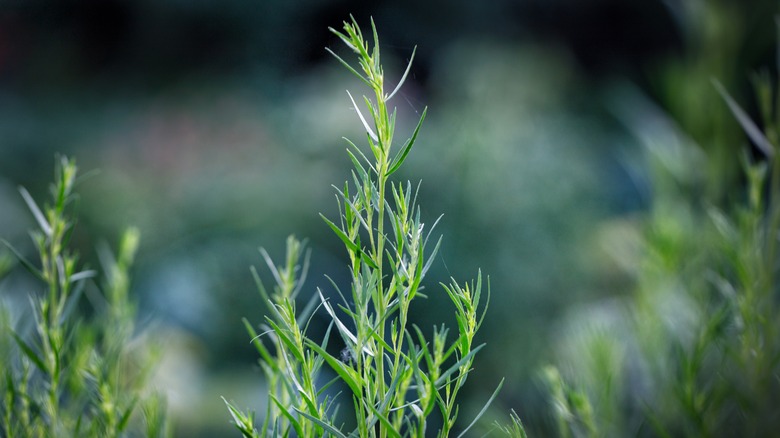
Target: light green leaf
{"x":747,"y":124}
{"x":123,"y":421}
{"x":344,"y":238}
{"x":30,"y":353}
{"x":385,"y":422}
{"x":264,"y":353}
{"x":406,"y":73}
{"x":362,"y":119}
{"x":399,"y":159}
{"x":484,"y":408}
{"x":284,"y":410}
{"x":26,"y":263}
{"x":285,"y":338}
{"x":352,"y":246}
{"x":328,"y":427}
{"x":464,"y":360}
{"x":362,"y":155}
{"x":345,"y":64}
{"x":39,"y":216}
{"x":347,"y":374}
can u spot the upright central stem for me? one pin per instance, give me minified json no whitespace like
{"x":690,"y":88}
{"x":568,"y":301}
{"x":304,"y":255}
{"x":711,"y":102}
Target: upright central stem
{"x":384,"y":144}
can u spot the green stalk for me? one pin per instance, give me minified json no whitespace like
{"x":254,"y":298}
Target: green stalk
{"x":382,"y":177}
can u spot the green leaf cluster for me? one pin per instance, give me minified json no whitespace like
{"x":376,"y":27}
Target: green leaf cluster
{"x":395,"y":376}
{"x":67,"y":374}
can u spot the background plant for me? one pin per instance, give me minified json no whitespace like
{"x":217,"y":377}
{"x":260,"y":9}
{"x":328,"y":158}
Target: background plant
{"x":396,"y":377}
{"x":694,"y":350}
{"x":66,"y":372}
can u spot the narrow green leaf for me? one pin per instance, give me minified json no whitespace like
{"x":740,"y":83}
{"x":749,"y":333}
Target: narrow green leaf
{"x":517,"y":425}
{"x":311,"y":404}
{"x":328,"y":427}
{"x":336,"y":287}
{"x":485,"y":307}
{"x":484,"y":408}
{"x":432,"y":256}
{"x":392,"y":389}
{"x":385,"y":422}
{"x":325,"y":387}
{"x":376,"y":149}
{"x":349,"y":67}
{"x":362,"y":155}
{"x":747,"y":124}
{"x":83,"y":275}
{"x":391,"y":124}
{"x":30,"y":353}
{"x":423,"y":346}
{"x":353,"y":209}
{"x":368,"y":260}
{"x":39,"y":216}
{"x":266,"y":422}
{"x":26,"y":263}
{"x":359,"y":167}
{"x":349,"y":338}
{"x":465,"y":359}
{"x":294,"y":421}
{"x":406,"y":73}
{"x":463,"y":330}
{"x":399,"y":159}
{"x":348,"y":375}
{"x":347,"y":39}
{"x":376,"y":43}
{"x":271,"y":266}
{"x":477,"y":292}
{"x":452,"y":292}
{"x":353,"y":30}
{"x":375,"y":116}
{"x":344,"y":238}
{"x":304,"y":317}
{"x":363,"y":197}
{"x":285,"y":338}
{"x":260,"y":286}
{"x":71,"y":304}
{"x":264,"y":353}
{"x":362,"y":119}
{"x":126,"y":416}
{"x":423,"y":380}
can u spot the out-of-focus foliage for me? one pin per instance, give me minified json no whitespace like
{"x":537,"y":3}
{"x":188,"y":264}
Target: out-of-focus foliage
{"x":66,"y":372}
{"x":692,"y":349}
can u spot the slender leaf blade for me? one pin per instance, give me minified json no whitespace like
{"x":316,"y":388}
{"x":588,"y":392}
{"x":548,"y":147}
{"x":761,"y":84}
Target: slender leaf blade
{"x":484,"y":409}
{"x":328,"y":427}
{"x":30,"y":353}
{"x":348,"y":375}
{"x":399,"y":159}
{"x":39,"y":216}
{"x":747,"y":124}
{"x":344,"y":238}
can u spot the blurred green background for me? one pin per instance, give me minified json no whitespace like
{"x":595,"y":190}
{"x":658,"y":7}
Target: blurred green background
{"x":216,"y":126}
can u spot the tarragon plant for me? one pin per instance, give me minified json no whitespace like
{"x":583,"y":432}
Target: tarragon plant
{"x":65,"y":373}
{"x":395,"y":378}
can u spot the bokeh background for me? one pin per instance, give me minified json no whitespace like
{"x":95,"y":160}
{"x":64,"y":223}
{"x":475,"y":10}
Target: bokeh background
{"x":215,"y":127}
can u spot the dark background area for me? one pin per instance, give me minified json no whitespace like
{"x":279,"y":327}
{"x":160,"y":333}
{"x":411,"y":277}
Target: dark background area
{"x":216,"y":128}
